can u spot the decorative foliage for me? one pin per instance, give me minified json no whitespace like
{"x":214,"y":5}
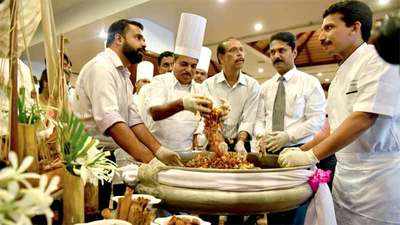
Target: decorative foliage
{"x":80,"y":153}
{"x":27,"y":115}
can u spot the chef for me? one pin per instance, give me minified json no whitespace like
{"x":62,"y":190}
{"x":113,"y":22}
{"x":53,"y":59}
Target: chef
{"x":175,"y":99}
{"x":144,"y":75}
{"x":364,"y":115}
{"x":201,"y":73}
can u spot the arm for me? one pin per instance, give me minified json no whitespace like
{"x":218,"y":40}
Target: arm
{"x":128,"y":141}
{"x":314,"y":113}
{"x":160,"y":112}
{"x":260,"y":125}
{"x":144,"y":135}
{"x":347,"y":132}
{"x":318,"y":138}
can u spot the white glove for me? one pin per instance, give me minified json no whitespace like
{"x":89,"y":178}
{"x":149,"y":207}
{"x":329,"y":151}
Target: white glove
{"x":276,"y":140}
{"x":168,"y":157}
{"x":239,"y":147}
{"x":261,"y":144}
{"x":196,"y":103}
{"x":291,"y":157}
{"x":226,"y":109}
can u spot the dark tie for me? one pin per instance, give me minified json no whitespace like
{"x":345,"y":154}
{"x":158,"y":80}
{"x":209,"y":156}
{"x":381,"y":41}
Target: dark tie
{"x":278,"y":114}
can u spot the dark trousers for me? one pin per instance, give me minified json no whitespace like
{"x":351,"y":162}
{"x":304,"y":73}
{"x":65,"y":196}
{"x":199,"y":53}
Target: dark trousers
{"x":105,"y":189}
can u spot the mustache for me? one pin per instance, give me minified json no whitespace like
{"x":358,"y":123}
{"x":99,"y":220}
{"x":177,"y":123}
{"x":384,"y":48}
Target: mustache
{"x":325,"y":42}
{"x":277,"y":61}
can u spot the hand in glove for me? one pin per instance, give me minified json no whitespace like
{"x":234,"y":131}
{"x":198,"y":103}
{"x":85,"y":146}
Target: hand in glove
{"x":168,"y":157}
{"x":276,"y":141}
{"x":261,"y":144}
{"x":196,"y":103}
{"x":226,"y":109}
{"x":239,"y":147}
{"x":291,"y":157}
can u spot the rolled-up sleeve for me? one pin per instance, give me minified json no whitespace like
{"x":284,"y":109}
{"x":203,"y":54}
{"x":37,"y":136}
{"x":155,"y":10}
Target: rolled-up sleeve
{"x":134,"y":116}
{"x":248,"y":117}
{"x":377,"y":90}
{"x":102,"y":92}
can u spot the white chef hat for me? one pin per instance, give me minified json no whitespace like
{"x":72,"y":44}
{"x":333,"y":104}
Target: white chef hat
{"x":205,"y":57}
{"x":144,"y":70}
{"x":189,"y":38}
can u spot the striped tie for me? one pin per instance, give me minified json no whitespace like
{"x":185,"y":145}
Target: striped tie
{"x":278,"y":114}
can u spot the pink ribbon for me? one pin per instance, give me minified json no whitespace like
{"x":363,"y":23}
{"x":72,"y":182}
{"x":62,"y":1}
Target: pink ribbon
{"x":319,"y":177}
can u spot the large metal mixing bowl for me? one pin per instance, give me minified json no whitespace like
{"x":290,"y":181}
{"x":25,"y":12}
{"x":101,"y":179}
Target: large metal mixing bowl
{"x":227,"y":202}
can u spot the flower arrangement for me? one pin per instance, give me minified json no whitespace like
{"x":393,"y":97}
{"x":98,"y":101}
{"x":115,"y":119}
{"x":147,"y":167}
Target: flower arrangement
{"x":80,"y":153}
{"x":28,"y":115}
{"x":19,"y":201}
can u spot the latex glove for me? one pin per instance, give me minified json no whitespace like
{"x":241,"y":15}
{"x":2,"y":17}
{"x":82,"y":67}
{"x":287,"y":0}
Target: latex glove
{"x":226,"y":109}
{"x":291,"y":157}
{"x":200,"y":142}
{"x":276,"y":140}
{"x":197,"y":103}
{"x":239,"y":147}
{"x":168,"y":157}
{"x":261,"y":144}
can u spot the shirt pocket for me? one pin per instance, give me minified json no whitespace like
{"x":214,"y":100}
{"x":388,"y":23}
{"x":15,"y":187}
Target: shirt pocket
{"x":351,"y":94}
{"x":295,"y":105}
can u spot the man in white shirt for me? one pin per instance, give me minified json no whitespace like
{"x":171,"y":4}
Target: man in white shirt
{"x":241,"y":91}
{"x":104,"y":99}
{"x":165,"y":62}
{"x":173,"y":103}
{"x":364,"y":115}
{"x":292,"y":106}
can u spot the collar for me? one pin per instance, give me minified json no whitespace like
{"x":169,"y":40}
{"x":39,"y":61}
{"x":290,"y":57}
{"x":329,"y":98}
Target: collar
{"x":355,"y":55}
{"x":116,"y":61}
{"x":288,"y":75}
{"x":176,"y":83}
{"x":221,"y":78}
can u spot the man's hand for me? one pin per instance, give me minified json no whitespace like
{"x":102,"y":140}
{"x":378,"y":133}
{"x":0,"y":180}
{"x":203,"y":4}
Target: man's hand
{"x":226,"y":109}
{"x":196,"y":103}
{"x":239,"y":147}
{"x":261,"y":144}
{"x":168,"y":157}
{"x":291,"y":157}
{"x":276,"y":141}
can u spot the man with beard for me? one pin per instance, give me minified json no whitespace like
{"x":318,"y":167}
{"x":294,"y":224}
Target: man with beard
{"x":364,"y":115}
{"x":105,"y":101}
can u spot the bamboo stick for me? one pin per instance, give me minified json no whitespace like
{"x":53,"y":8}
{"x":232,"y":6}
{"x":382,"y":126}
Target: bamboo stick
{"x":14,"y":75}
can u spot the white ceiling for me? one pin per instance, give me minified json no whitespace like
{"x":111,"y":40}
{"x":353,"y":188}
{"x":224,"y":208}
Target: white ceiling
{"x":82,"y":20}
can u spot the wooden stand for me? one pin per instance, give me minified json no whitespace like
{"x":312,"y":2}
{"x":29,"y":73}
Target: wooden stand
{"x":73,"y":199}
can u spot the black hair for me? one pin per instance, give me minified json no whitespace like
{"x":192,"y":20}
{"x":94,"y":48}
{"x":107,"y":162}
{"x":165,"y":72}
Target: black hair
{"x":286,"y":37}
{"x":163,"y":55}
{"x":66,"y":59}
{"x":120,"y":27}
{"x":353,"y":11}
{"x":42,"y":80}
{"x":221,"y":49}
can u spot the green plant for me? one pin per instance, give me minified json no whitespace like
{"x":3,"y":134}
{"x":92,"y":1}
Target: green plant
{"x":79,"y":150}
{"x":27,"y":115}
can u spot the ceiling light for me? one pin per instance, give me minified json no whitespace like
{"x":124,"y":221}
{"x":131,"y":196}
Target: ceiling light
{"x":327,"y":80}
{"x":319,"y":74}
{"x":221,"y":1}
{"x":258,"y":26}
{"x":383,"y":2}
{"x":103,"y":34}
{"x":260,"y":70}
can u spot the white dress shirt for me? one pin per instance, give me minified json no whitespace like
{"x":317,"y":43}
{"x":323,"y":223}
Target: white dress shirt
{"x":175,"y":132}
{"x":305,"y":106}
{"x":367,"y":176}
{"x":104,"y":96}
{"x":243,"y":98}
